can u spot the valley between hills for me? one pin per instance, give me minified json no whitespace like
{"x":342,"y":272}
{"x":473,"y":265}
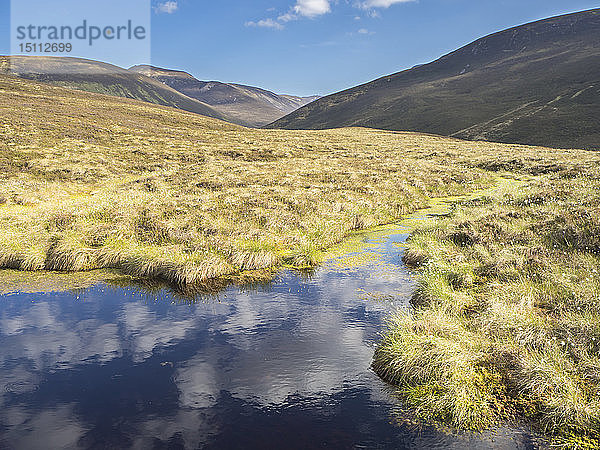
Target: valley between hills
{"x":157,"y":193}
{"x":137,"y":173}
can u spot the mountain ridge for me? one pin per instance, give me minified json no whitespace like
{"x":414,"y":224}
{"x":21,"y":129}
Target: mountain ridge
{"x":532,"y":84}
{"x":248,"y":105}
{"x":102,"y":78}
{"x":257,"y":106}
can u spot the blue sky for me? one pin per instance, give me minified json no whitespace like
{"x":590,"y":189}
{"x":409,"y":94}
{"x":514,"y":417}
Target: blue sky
{"x":309,"y":47}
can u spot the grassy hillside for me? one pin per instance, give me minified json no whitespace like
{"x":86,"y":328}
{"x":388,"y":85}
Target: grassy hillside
{"x":91,"y":181}
{"x":534,"y":84}
{"x":246,"y":105}
{"x":102,"y":78}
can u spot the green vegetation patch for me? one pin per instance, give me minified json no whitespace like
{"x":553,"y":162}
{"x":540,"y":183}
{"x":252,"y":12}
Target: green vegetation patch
{"x":17,"y":281}
{"x":506,"y":317}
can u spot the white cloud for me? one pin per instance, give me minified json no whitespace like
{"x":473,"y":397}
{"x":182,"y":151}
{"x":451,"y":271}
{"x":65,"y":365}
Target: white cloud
{"x":287,"y":17}
{"x":365,"y":32}
{"x":168,"y":7}
{"x":47,"y":427}
{"x":370,"y":4}
{"x":312,"y":8}
{"x":265,"y":23}
{"x":197,"y":384}
{"x":302,"y":8}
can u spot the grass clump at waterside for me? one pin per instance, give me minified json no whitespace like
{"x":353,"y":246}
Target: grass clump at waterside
{"x":506,"y":319}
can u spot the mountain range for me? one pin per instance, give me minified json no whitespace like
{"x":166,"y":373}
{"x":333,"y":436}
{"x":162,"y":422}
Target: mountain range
{"x":536,"y":84}
{"x":246,"y":105}
{"x":239,"y":104}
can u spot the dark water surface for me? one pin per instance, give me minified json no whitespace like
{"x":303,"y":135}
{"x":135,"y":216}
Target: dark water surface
{"x":287,"y":366}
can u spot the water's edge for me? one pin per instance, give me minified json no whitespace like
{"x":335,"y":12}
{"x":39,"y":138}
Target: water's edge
{"x":123,"y":365}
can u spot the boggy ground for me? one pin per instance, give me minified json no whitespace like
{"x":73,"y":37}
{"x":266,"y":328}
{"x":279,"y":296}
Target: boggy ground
{"x":506,"y":319}
{"x":90,"y":181}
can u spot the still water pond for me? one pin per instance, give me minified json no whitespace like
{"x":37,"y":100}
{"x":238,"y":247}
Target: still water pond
{"x":284,"y":366}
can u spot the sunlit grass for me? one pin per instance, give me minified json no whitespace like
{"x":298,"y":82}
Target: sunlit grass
{"x":506,"y":314}
{"x":97,"y":182}
{"x":506,"y":319}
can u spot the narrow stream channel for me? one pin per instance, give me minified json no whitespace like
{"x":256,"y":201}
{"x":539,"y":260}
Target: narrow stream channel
{"x":284,"y":366}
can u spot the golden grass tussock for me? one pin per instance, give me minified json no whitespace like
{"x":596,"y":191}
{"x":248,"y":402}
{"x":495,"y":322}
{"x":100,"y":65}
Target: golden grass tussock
{"x":506,"y":318}
{"x":98,"y":182}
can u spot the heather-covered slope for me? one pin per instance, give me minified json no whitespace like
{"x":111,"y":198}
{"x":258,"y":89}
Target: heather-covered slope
{"x":535,"y":84}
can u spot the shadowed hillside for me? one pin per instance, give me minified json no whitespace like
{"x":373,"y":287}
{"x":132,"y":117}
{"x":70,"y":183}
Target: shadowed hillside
{"x":247,"y":105}
{"x":535,"y":84}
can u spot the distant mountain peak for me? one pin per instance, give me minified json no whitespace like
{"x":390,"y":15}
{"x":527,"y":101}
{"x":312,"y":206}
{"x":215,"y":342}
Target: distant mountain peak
{"x":236,"y":103}
{"x":150,"y":71}
{"x":103,"y":78}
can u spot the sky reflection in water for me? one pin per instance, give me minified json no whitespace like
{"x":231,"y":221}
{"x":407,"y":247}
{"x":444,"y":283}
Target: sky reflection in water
{"x":280,"y":367}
